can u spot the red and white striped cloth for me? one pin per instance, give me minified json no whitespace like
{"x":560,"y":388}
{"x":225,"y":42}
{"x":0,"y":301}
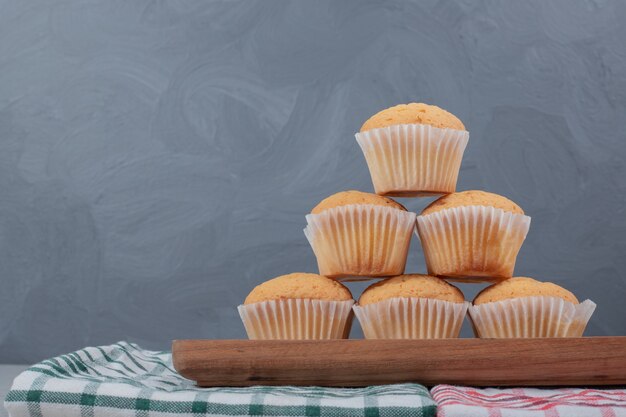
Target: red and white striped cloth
{"x":453,"y":401}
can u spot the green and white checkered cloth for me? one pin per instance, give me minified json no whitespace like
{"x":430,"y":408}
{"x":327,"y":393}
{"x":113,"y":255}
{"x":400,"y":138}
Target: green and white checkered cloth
{"x":125,"y":380}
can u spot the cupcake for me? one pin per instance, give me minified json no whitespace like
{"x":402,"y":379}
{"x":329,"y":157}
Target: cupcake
{"x":411,"y":307}
{"x":413,"y":150}
{"x":355,"y":234}
{"x":524,"y":307}
{"x":298,"y":306}
{"x":472,"y":236}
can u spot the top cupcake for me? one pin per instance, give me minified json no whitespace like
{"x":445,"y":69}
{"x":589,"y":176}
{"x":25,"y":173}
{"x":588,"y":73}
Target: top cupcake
{"x":413,"y":113}
{"x":413,"y":150}
{"x":299,"y":285}
{"x":472,"y":198}
{"x":345,"y":198}
{"x":522,"y":287}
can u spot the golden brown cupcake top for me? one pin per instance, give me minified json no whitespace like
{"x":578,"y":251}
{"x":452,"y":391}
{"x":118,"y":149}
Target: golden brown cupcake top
{"x":297,"y":286}
{"x":413,"y":113}
{"x":409,"y":286}
{"x":345,"y":198}
{"x":522,"y":287}
{"x":472,"y":198}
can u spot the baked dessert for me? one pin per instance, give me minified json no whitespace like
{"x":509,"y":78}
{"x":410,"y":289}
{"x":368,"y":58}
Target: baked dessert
{"x":298,"y":306}
{"x":411,"y":306}
{"x":413,"y":149}
{"x":522,"y":287}
{"x":351,"y":197}
{"x":472,"y":236}
{"x":356,"y":235}
{"x":525,"y":307}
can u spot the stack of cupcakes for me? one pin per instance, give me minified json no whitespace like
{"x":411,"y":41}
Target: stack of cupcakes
{"x":413,"y":150}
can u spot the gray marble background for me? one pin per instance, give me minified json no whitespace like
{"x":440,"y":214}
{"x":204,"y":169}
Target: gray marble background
{"x":157,"y":158}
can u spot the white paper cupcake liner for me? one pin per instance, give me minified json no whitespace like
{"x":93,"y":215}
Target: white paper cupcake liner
{"x":360,"y":240}
{"x":413,"y":159}
{"x":411,"y":318}
{"x":296,"y":319}
{"x":472,"y":243}
{"x":531,"y":317}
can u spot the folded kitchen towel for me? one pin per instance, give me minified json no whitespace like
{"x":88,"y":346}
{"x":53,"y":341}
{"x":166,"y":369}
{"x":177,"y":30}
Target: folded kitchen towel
{"x":125,"y":380}
{"x":455,"y":401}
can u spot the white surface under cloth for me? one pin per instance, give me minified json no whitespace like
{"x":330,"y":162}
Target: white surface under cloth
{"x":7,"y":374}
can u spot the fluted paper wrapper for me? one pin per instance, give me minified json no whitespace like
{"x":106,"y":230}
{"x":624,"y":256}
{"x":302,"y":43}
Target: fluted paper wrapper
{"x":411,"y":318}
{"x":296,"y":319}
{"x":413,"y":159}
{"x":360,"y":240}
{"x":472,"y":243}
{"x":531,"y":317}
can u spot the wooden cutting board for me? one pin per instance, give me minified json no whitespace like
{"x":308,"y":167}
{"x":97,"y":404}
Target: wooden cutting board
{"x":477,"y":362}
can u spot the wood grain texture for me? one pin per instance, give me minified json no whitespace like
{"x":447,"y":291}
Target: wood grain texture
{"x":476,"y":362}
